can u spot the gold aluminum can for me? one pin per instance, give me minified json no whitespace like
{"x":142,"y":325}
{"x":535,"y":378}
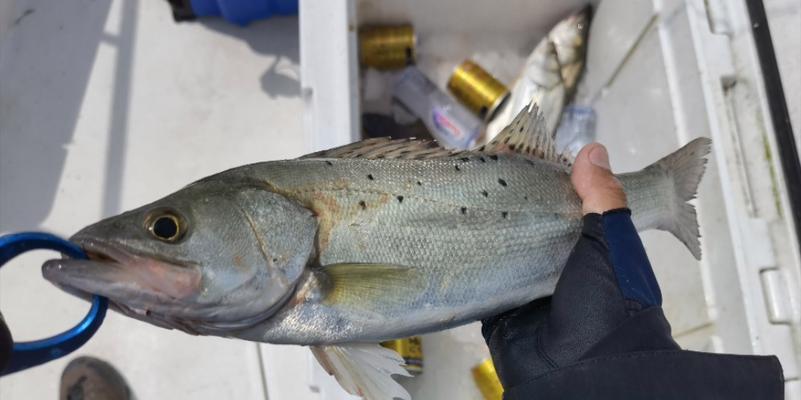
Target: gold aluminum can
{"x":487,"y":380}
{"x":387,"y":47}
{"x":477,"y":89}
{"x":411,"y":349}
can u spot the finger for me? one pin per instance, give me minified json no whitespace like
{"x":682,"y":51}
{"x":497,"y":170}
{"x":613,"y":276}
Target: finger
{"x":594,"y":182}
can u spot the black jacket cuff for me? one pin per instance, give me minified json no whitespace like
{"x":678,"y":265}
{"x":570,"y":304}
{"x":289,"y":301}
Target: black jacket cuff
{"x":660,"y":375}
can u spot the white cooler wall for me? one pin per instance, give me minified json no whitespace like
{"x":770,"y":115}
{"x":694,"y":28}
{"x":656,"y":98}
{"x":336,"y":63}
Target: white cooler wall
{"x":108,"y":105}
{"x":784,"y":18}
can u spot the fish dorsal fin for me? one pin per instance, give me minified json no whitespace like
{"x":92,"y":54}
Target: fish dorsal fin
{"x":527,"y":135}
{"x":364,"y":369}
{"x":408,"y":149}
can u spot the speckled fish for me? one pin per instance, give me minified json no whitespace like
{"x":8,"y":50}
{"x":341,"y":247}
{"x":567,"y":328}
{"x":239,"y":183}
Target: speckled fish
{"x":371,"y":241}
{"x":551,"y":73}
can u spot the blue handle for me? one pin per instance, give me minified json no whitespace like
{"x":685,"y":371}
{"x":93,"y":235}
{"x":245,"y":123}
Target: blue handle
{"x":30,"y":354}
{"x":243,"y":12}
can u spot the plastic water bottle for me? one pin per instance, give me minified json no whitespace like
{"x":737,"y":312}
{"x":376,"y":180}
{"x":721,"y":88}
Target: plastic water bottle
{"x":576,"y":129}
{"x":449,"y":122}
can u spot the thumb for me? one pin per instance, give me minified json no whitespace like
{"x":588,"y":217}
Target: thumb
{"x":594,"y":182}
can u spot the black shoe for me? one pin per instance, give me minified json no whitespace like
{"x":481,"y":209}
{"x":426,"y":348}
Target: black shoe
{"x":88,"y":378}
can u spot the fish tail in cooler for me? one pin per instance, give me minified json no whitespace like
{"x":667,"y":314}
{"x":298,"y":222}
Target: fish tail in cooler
{"x":659,"y":194}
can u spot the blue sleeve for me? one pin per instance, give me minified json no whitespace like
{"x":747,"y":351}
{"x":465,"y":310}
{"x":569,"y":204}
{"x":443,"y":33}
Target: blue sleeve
{"x":633,"y":271}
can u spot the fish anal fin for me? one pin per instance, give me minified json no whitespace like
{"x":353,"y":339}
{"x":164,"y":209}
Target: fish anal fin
{"x":364,"y":369}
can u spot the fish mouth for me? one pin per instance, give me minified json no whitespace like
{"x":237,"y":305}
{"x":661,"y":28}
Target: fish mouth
{"x":140,"y":287}
{"x":157,"y":291}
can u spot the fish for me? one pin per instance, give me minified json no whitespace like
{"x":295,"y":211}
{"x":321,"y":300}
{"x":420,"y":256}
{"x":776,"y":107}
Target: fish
{"x":376,"y":240}
{"x":551,"y":73}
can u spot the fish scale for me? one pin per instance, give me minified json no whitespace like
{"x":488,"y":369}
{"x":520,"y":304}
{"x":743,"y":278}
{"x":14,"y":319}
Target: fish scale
{"x":516,"y":238}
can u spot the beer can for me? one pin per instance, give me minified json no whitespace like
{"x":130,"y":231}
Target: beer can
{"x":477,"y":89}
{"x":411,"y":349}
{"x":487,"y":380}
{"x":387,"y":47}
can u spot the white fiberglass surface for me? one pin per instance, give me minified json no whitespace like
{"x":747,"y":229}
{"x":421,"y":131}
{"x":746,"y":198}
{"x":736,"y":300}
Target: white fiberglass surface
{"x":108,"y":105}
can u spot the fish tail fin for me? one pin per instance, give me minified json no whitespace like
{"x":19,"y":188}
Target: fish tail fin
{"x":686,"y":166}
{"x":673,"y":182}
{"x":364,"y":369}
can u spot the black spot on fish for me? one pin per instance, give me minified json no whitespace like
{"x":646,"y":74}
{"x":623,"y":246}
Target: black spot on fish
{"x":525,"y":197}
{"x":494,"y":157}
{"x":400,"y":199}
{"x":505,"y":214}
{"x":419,"y":183}
{"x":531,"y":162}
{"x":482,"y":148}
{"x":528,"y":149}
{"x":329,"y":162}
{"x":370,"y":177}
{"x":464,"y":210}
{"x":457,"y":168}
{"x":484,"y":192}
{"x":380,"y":156}
{"x":363,"y":205}
{"x":482,"y":159}
{"x":506,"y":140}
{"x":465,"y":159}
{"x":502,"y":182}
{"x":275,"y":260}
{"x":520,"y":129}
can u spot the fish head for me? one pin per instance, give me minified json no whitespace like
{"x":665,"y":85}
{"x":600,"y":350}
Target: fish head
{"x":209,"y":259}
{"x":569,"y":38}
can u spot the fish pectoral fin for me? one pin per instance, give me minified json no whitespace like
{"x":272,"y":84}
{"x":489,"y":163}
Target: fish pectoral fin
{"x":527,"y":134}
{"x":364,"y":369}
{"x":368,"y":286}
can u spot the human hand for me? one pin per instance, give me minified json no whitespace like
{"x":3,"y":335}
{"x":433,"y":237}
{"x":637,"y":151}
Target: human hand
{"x":588,"y":302}
{"x":602,"y":334}
{"x":596,"y":186}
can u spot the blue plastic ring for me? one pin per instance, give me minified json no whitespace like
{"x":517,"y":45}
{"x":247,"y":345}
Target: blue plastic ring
{"x":30,"y":354}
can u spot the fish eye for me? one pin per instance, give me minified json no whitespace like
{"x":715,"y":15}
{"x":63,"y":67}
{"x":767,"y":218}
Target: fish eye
{"x":165,"y":225}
